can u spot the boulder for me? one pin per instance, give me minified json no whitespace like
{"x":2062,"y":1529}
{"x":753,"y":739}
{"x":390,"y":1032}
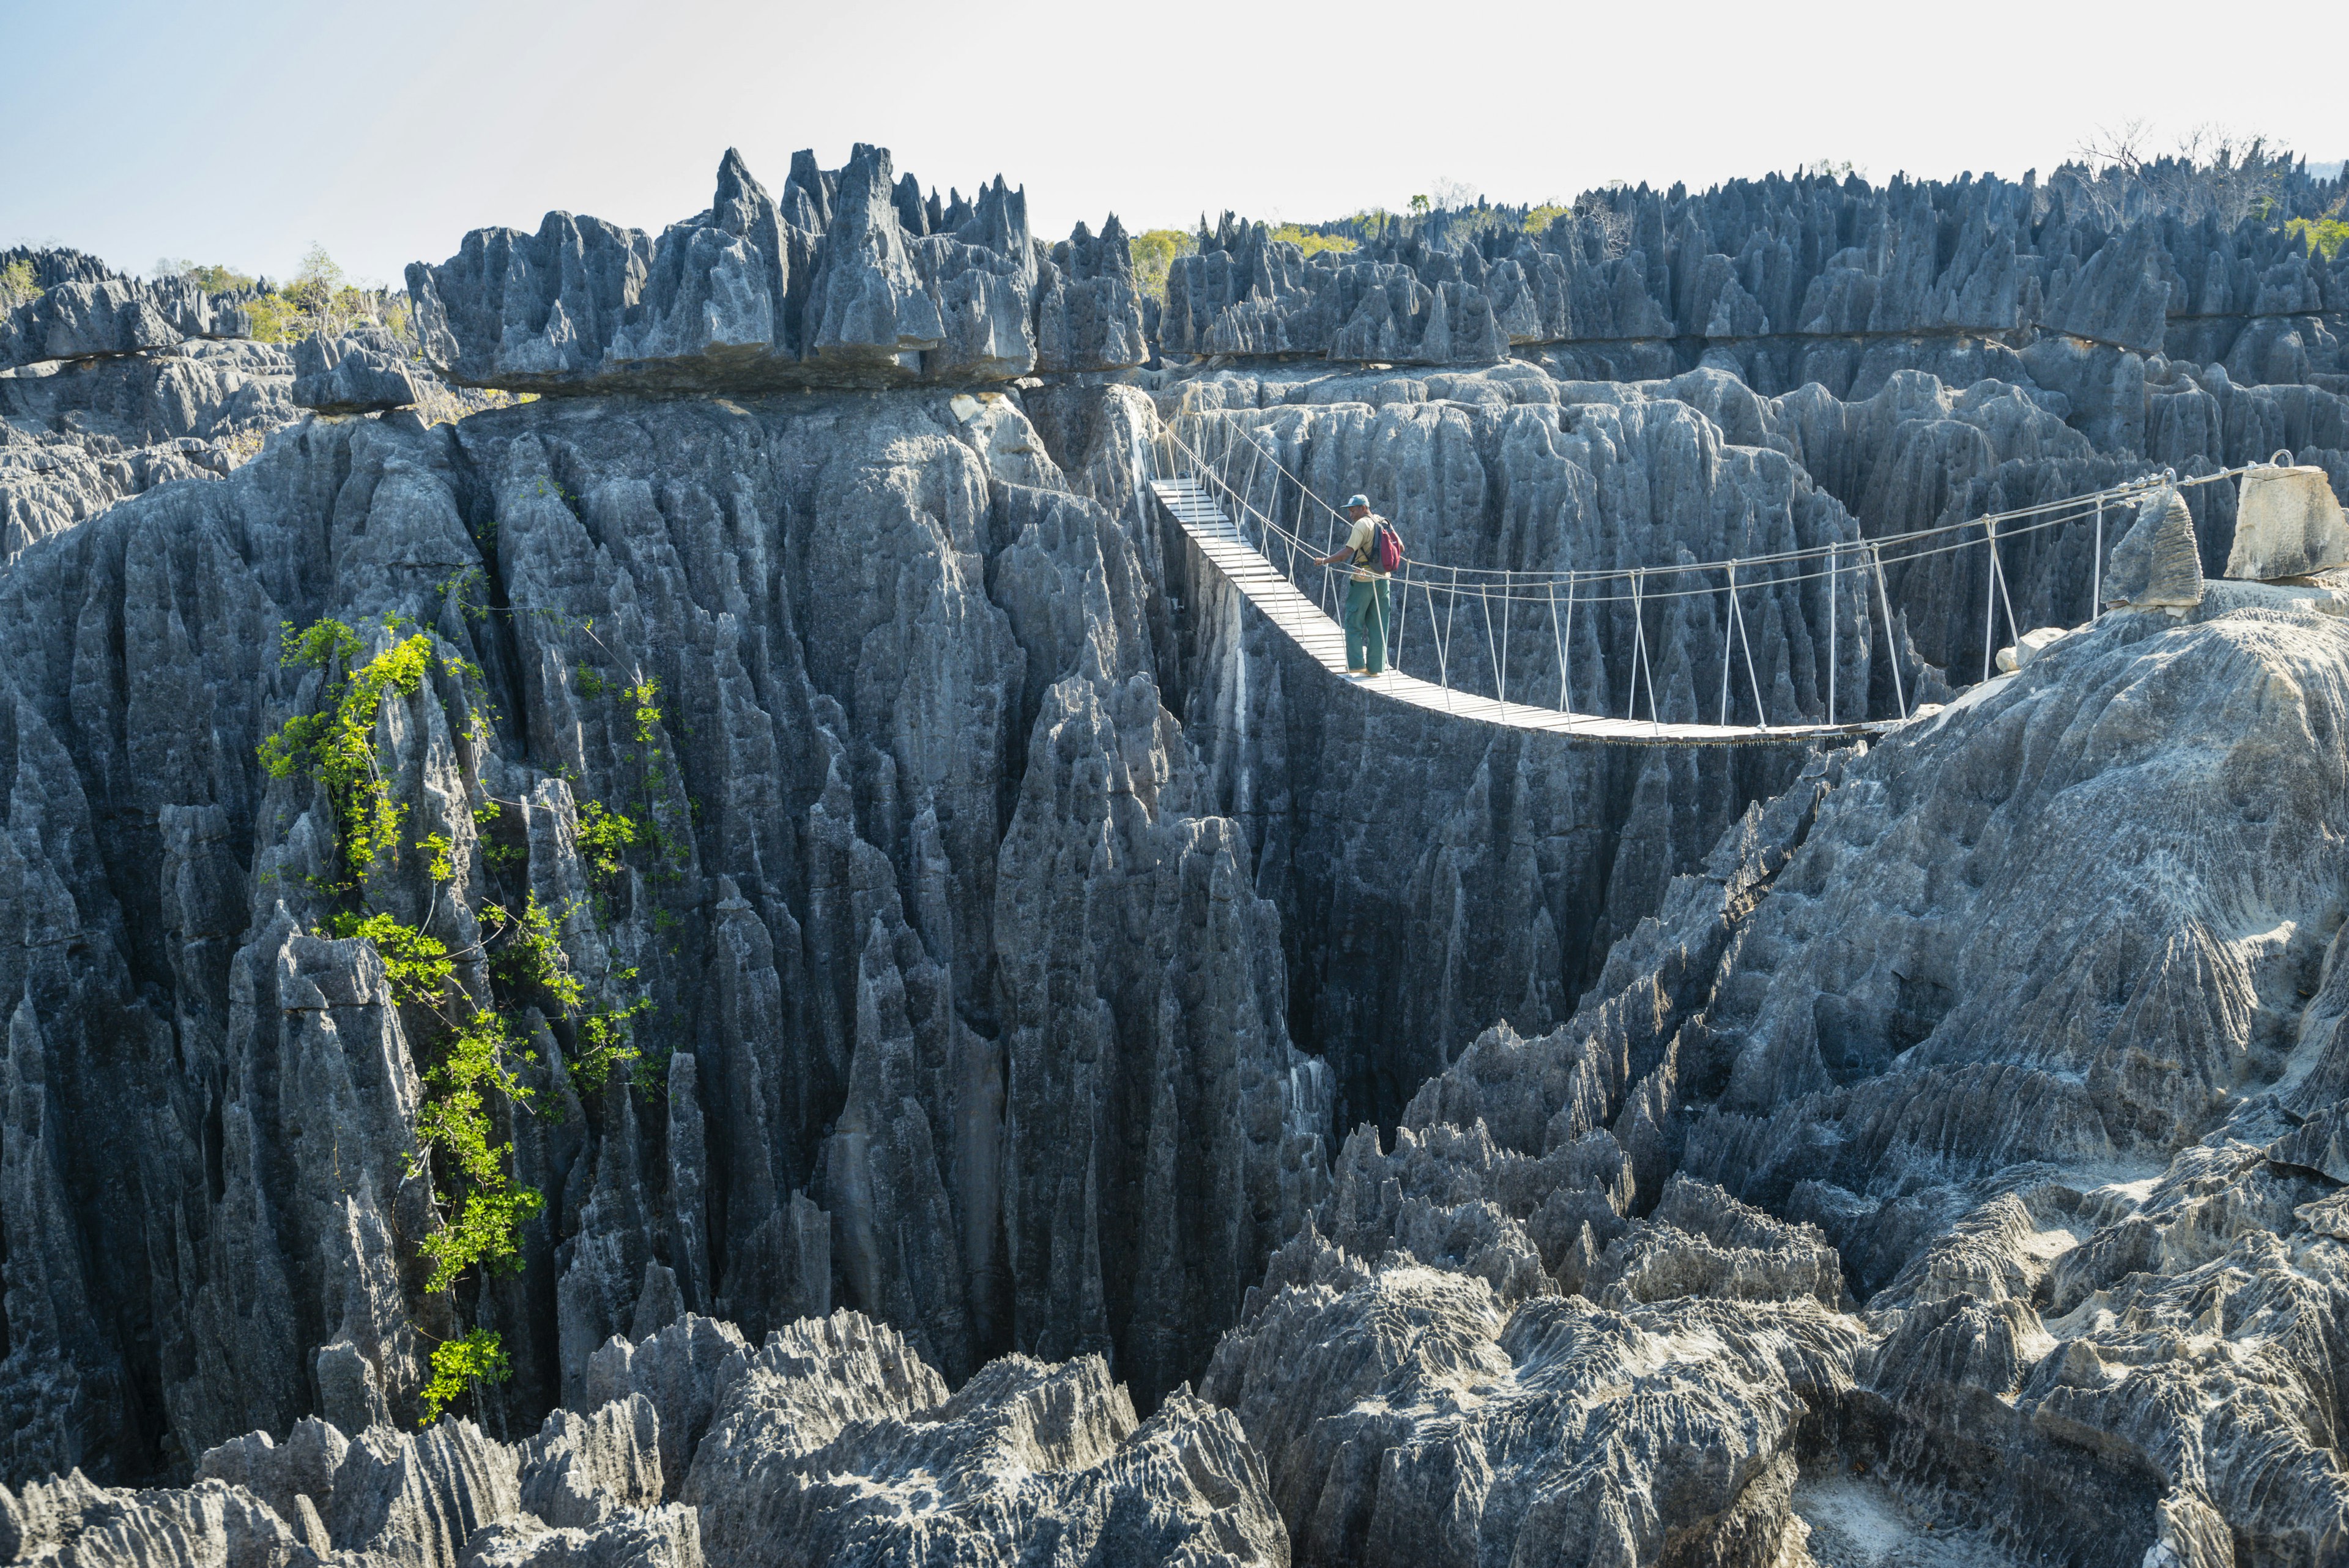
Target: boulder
{"x":362,"y":373}
{"x":2158,"y":565}
{"x":2288,"y":524}
{"x":2030,"y":646}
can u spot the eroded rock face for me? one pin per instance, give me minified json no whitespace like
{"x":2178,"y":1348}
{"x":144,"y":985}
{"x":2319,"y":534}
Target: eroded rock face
{"x":877,"y":909}
{"x":1780,"y":280}
{"x":1022,"y":916}
{"x":844,"y":278}
{"x":85,"y":319}
{"x":2288,"y":524}
{"x":841,"y":1451}
{"x":2061,"y":1116}
{"x":2155,"y":566}
{"x":78,"y":436}
{"x":1410,"y":1414}
{"x":832,"y":1443}
{"x":1510,"y":469}
{"x":362,"y":373}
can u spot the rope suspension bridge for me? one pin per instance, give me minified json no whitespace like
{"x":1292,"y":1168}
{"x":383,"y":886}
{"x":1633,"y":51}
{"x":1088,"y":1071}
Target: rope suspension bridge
{"x":1250,"y":515}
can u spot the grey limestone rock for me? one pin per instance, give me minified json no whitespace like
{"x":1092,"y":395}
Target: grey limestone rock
{"x":114,"y":314}
{"x":1025,"y":914}
{"x":833,"y":1443}
{"x":1408,"y":1415}
{"x":583,"y":1468}
{"x":667,"y":1537}
{"x":842,"y":279}
{"x":852,"y":1452}
{"x":1969,"y":1130}
{"x":77,"y":436}
{"x":1088,"y":317}
{"x":2288,"y":524}
{"x":361,"y":372}
{"x":1772,"y":274}
{"x":2157,"y":563}
{"x":823,"y":945}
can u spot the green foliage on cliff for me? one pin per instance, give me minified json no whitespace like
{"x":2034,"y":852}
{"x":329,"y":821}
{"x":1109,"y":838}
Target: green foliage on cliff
{"x":458,"y":1364}
{"x":2323,"y":235}
{"x":320,"y":299}
{"x":212,"y":277}
{"x":1310,"y":242}
{"x":18,"y":286}
{"x":468,"y":1034}
{"x":1155,"y":250}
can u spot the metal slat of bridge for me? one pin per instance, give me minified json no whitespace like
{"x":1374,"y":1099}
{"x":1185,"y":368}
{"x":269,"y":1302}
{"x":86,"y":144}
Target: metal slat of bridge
{"x":1215,"y":537}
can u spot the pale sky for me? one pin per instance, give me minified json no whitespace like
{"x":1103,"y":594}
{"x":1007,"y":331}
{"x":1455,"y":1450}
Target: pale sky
{"x":242,"y":133}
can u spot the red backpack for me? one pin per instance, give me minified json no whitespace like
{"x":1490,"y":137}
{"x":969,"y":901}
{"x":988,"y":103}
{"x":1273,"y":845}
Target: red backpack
{"x":1386,"y":549}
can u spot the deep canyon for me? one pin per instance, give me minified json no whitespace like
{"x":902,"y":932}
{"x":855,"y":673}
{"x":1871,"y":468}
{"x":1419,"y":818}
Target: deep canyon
{"x":1042,"y":1071}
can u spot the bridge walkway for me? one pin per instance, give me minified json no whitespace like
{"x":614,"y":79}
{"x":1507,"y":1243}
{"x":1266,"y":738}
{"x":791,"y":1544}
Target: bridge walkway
{"x":1195,"y":507}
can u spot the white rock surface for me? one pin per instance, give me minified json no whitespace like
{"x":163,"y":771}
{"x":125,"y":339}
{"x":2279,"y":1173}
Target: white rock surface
{"x":2288,"y":524}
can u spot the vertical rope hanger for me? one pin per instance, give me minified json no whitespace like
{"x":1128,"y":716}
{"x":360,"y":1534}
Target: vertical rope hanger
{"x":1831,"y":630}
{"x":2014,"y":628}
{"x":1485,"y":603}
{"x":1562,"y":705}
{"x":1566,"y":691}
{"x":1640,"y":632}
{"x":1761,"y":714}
{"x":1403,"y":614}
{"x":2097,"y":566}
{"x":1451,"y":603}
{"x":1891,"y":652}
{"x":1990,"y":596}
{"x":1726,"y":633}
{"x":1501,"y":678}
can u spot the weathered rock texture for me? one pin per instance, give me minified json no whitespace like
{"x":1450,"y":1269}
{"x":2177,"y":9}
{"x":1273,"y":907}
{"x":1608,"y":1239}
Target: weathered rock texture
{"x":78,"y":435}
{"x":1508,"y":468}
{"x":362,"y":373}
{"x":82,"y":318}
{"x":832,"y":1443}
{"x":1022,"y":914}
{"x":1414,"y":1414}
{"x":2288,"y":524}
{"x":968,"y":1012}
{"x":844,"y":278}
{"x":1785,"y":281}
{"x":2050,"y":1068}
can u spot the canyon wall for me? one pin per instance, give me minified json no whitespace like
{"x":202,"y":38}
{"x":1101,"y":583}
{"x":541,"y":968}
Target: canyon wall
{"x":1083,"y":1072}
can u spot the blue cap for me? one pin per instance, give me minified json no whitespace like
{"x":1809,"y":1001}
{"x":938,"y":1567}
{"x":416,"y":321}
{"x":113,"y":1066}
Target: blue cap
{"x":1354,"y":500}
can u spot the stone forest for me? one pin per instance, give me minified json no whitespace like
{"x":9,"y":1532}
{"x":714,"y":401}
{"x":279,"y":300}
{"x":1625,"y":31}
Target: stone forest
{"x":714,"y":898}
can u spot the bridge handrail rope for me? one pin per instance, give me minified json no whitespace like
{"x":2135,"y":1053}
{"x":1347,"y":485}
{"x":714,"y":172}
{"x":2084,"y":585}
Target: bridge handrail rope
{"x":2071,"y":506}
{"x":2048,"y":515}
{"x":1180,"y":468}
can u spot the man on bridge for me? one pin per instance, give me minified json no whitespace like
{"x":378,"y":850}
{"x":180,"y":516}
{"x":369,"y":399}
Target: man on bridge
{"x":1367,"y":613}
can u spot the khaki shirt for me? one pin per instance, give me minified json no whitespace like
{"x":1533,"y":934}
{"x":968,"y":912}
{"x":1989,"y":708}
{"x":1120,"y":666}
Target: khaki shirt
{"x":1357,"y":543}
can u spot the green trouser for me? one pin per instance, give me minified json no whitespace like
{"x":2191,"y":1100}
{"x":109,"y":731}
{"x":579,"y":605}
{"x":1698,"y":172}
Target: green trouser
{"x":1367,"y":621}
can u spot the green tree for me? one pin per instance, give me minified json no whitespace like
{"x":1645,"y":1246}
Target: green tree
{"x":1155,"y":250}
{"x":2323,"y":235}
{"x":212,"y":277}
{"x":321,"y":298}
{"x":17,"y":286}
{"x":1311,"y":242}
